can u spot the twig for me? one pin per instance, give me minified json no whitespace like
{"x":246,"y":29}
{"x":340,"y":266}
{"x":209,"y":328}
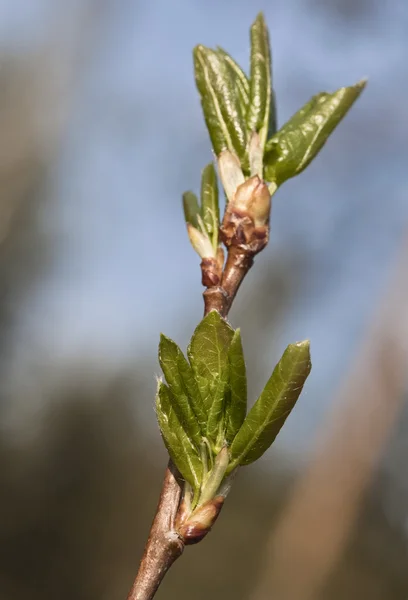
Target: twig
{"x":164,"y":544}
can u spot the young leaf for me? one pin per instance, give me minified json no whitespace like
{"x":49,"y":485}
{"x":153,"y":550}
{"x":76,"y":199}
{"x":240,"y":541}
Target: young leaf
{"x":209,"y":202}
{"x":237,"y":401}
{"x":201,"y":242}
{"x":296,"y":144}
{"x":222,"y":110}
{"x":187,"y":405}
{"x":269,"y":412}
{"x":260,"y":80}
{"x":239,"y":78}
{"x":208,"y":353}
{"x":215,"y":424}
{"x":191,"y":208}
{"x":176,"y":440}
{"x":273,"y":118}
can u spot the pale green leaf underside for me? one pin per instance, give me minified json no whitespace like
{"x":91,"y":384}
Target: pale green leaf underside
{"x":176,"y":440}
{"x":295,"y":145}
{"x":188,"y":404}
{"x":241,"y":81}
{"x":221,"y":106}
{"x":270,"y":411}
{"x":260,"y":80}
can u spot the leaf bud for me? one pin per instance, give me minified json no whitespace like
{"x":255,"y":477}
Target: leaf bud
{"x":253,"y":198}
{"x":200,"y":242}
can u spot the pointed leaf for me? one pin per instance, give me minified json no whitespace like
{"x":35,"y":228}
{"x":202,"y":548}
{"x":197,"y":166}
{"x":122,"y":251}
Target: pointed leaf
{"x":296,"y":144}
{"x":239,"y":78}
{"x":270,"y":411}
{"x":187,"y":400}
{"x":178,"y":444}
{"x":237,"y":405}
{"x":260,"y":80}
{"x":209,"y":202}
{"x":191,"y":208}
{"x":222,"y":110}
{"x":208,"y":352}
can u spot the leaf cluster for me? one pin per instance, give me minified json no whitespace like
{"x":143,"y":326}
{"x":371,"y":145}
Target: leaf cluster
{"x":236,"y":106}
{"x":202,"y":407}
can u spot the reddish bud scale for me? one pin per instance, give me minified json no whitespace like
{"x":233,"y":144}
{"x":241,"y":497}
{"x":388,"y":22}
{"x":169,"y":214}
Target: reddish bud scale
{"x":182,"y":514}
{"x":211,"y":269}
{"x":246,"y":220}
{"x":196,"y":527}
{"x":238,"y":229}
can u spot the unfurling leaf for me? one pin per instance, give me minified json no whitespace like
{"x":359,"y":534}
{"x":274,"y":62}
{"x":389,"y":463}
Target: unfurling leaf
{"x":185,"y":395}
{"x":237,"y":398}
{"x":270,"y":411}
{"x":208,"y":353}
{"x":221,"y":107}
{"x":191,"y":208}
{"x":177,"y":442}
{"x":241,"y":81}
{"x":258,"y":115}
{"x":295,"y":145}
{"x":210,"y":211}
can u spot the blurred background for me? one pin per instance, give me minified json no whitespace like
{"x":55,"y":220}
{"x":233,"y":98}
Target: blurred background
{"x":100,"y":133}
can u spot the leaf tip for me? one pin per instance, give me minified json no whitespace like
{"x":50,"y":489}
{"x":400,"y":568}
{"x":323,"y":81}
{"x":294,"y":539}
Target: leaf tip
{"x":360,"y":86}
{"x":198,"y":49}
{"x":362,"y":83}
{"x":165,"y":343}
{"x":301,"y":350}
{"x":305,"y":344}
{"x":260,"y":18}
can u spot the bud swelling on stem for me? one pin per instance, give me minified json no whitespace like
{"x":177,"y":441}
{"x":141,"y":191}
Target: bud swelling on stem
{"x":254,"y":199}
{"x":196,"y":527}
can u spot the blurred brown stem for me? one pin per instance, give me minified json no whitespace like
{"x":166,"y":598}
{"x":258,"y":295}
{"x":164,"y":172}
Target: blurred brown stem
{"x":164,"y":545}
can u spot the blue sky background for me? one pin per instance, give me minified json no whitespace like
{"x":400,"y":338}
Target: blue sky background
{"x":136,"y":140}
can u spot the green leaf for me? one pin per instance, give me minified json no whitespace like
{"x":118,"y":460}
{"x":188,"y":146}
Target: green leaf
{"x":209,"y":202}
{"x":187,"y":399}
{"x":239,"y":78}
{"x":216,"y":421}
{"x":222,"y":110}
{"x":191,"y":208}
{"x":176,"y":440}
{"x":270,"y":411}
{"x":237,"y":405}
{"x":260,"y":80}
{"x":296,"y":144}
{"x":208,"y":353}
{"x":273,"y":119}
